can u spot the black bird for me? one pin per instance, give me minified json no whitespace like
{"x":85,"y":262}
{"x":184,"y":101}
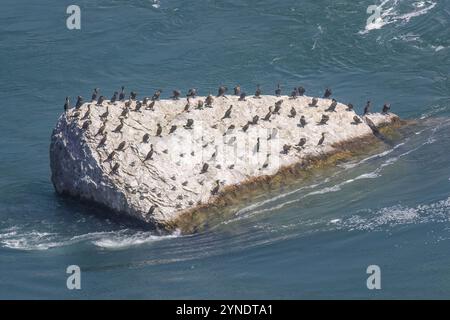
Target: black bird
{"x":79,"y":102}
{"x":227,"y":113}
{"x":145,"y":101}
{"x":100,"y":100}
{"x":176,"y":94}
{"x":156,"y":95}
{"x":229,"y":130}
{"x":266,"y":163}
{"x":150,"y":154}
{"x":301,"y":143}
{"x":152,"y":209}
{"x":332,"y":107}
{"x":105,"y":114}
{"x":301,"y":91}
{"x":115,"y":168}
{"x":172,"y":129}
{"x":200,"y":105}
{"x":138,"y":106}
{"x":209,"y":101}
{"x":103,"y":141}
{"x":204,"y":168}
{"x":237,"y":90}
{"x":67,"y":104}
{"x":303,"y":121}
{"x":76,"y":114}
{"x":192,"y":93}
{"x":215,"y":190}
{"x":313,"y":102}
{"x":386,"y":108}
{"x":367,"y":108}
{"x":349,"y":107}
{"x":101,"y":130}
{"x":125,"y":112}
{"x":258,"y":91}
{"x":278,"y":91}
{"x":286,"y":149}
{"x":158,"y":130}
{"x":94,"y":94}
{"x":88,"y":113}
{"x":110,"y":156}
{"x":121,"y":146}
{"x":277,"y":107}
{"x":214,"y":155}
{"x":268,"y":115}
{"x":189,"y":124}
{"x":122,"y":94}
{"x":255,"y":120}
{"x":294,"y":93}
{"x":324,"y":119}
{"x":293,"y":113}
{"x":242,"y":96}
{"x":327,"y":93}
{"x":186,"y":107}
{"x":145,"y":138}
{"x":119,"y":127}
{"x":86,"y":124}
{"x":321,"y":139}
{"x":221,"y":92}
{"x":356,"y":120}
{"x":150,"y":106}
{"x":257,"y":145}
{"x":114,"y":97}
{"x":245,"y":127}
{"x":133,"y":95}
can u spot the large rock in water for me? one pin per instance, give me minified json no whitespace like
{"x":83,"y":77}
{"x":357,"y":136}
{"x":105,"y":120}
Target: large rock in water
{"x":192,"y":165}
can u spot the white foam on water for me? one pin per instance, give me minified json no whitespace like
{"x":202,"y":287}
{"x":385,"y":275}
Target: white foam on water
{"x":389,"y":14}
{"x":397,"y":215}
{"x":117,"y":241}
{"x":156,"y":4}
{"x":20,"y":239}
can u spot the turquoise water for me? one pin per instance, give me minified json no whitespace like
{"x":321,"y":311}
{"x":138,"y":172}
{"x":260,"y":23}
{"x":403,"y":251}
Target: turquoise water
{"x":391,"y":209}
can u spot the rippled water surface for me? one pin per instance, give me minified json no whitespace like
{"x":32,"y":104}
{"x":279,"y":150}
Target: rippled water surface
{"x":391,"y":208}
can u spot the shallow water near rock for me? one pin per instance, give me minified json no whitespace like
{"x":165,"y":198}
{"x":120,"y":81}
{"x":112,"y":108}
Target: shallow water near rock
{"x":391,"y":208}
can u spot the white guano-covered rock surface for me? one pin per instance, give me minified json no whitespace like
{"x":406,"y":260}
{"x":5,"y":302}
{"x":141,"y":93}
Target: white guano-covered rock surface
{"x":157,"y":189}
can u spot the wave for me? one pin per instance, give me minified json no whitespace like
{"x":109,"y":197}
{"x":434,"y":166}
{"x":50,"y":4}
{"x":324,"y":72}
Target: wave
{"x":394,"y":216}
{"x":389,"y":13}
{"x":118,"y":241}
{"x":20,"y":238}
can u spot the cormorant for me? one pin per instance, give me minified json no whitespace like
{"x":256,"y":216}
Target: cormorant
{"x":278,"y":91}
{"x":189,"y":124}
{"x":321,"y":139}
{"x":204,"y":168}
{"x":215,"y":190}
{"x":158,"y":130}
{"x":367,"y":108}
{"x":258,"y":91}
{"x":327,"y":93}
{"x":313,"y":102}
{"x":67,"y":104}
{"x":293,"y":113}
{"x":228,"y":113}
{"x":237,"y":90}
{"x":176,"y":94}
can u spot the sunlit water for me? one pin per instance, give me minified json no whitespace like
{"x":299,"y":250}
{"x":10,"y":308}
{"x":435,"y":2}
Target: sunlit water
{"x":391,"y":209}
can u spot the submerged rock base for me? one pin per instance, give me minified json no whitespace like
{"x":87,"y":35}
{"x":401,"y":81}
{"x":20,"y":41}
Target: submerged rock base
{"x":177,"y":164}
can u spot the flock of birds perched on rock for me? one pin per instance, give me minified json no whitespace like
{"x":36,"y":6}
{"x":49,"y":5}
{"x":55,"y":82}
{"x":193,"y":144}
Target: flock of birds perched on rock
{"x":148,"y":103}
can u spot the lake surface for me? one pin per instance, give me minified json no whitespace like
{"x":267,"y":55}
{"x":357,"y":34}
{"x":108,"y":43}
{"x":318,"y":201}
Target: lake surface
{"x":391,"y":209}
